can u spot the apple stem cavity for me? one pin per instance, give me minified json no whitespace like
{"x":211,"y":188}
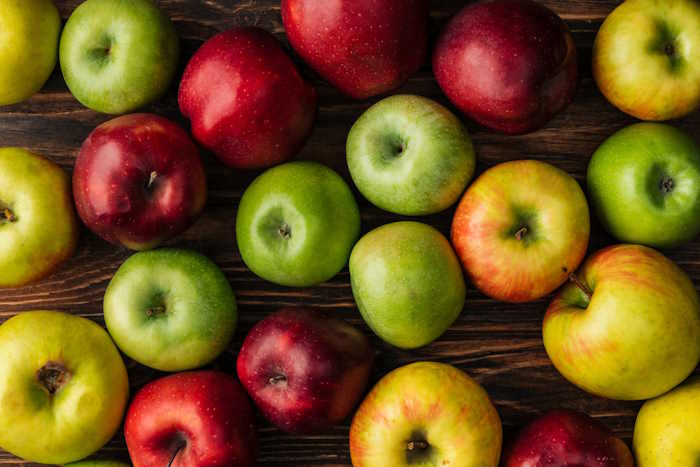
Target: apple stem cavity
{"x":521,"y":233}
{"x":8,"y":215}
{"x":52,"y":376}
{"x":670,"y":50}
{"x":573,"y":278}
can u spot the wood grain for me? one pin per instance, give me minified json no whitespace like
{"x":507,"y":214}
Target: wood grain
{"x":498,"y":344}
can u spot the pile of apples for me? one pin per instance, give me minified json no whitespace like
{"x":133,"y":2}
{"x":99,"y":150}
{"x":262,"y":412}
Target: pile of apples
{"x":624,"y":325}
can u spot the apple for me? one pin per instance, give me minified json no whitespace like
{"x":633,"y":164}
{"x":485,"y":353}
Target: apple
{"x":305,"y":370}
{"x":63,"y":387}
{"x":509,"y":64}
{"x":645,"y":58}
{"x":139,"y":181}
{"x":521,"y":228}
{"x":97,"y":463}
{"x":667,"y":431}
{"x":567,"y":438}
{"x":627,"y":326}
{"x":38,"y":227}
{"x":29,"y":47}
{"x":644,"y":183}
{"x":362,"y":47}
{"x":407,"y":283}
{"x":424,"y":414}
{"x":170,"y":309}
{"x":296,"y":224}
{"x":246,"y":99}
{"x":191,"y":419}
{"x":410,"y":155}
{"x":118,"y":56}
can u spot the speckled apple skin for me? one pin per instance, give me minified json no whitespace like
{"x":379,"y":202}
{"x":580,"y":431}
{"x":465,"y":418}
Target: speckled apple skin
{"x":362,"y":47}
{"x":246,"y":99}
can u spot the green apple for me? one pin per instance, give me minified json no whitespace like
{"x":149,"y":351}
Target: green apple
{"x":97,"y":463}
{"x":63,"y":387}
{"x":426,"y":415}
{"x":29,"y":31}
{"x":296,"y":224}
{"x":644,"y":183}
{"x":118,"y":55}
{"x":407,"y":283}
{"x":170,"y":309}
{"x":410,"y":155}
{"x":667,"y":431}
{"x":520,"y":229}
{"x":646,"y":58}
{"x":627,"y":326}
{"x":38,"y":227}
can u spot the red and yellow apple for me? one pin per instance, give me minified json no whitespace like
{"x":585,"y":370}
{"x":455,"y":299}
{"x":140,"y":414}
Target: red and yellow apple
{"x":520,"y":229}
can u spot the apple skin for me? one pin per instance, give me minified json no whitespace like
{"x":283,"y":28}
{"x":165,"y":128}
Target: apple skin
{"x":118,"y":55}
{"x":638,"y":335}
{"x":520,"y":229}
{"x":410,"y":155}
{"x":29,"y":48}
{"x":642,"y":67}
{"x":191,"y":419}
{"x":296,"y":224}
{"x":139,"y":181}
{"x":305,"y":370}
{"x":362,"y":47}
{"x":562,"y":438}
{"x":511,"y":65}
{"x":431,"y":403}
{"x":407,"y":283}
{"x":44,"y":351}
{"x":170,"y":309}
{"x":246,"y":99}
{"x":667,"y":430}
{"x":644,"y":184}
{"x":38,"y":226}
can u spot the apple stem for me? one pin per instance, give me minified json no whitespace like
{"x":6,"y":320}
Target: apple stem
{"x":52,"y":376}
{"x":8,"y":215}
{"x":151,"y":179}
{"x":177,"y":451}
{"x":670,"y":50}
{"x":276,"y":379}
{"x":156,"y":310}
{"x":415,"y":445}
{"x":667,"y":184}
{"x":520,"y":234}
{"x":285,"y":231}
{"x":581,"y":286}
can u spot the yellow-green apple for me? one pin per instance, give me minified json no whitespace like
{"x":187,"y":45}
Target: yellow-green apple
{"x":63,"y":387}
{"x":191,"y":419}
{"x":362,"y":47}
{"x":644,"y":184}
{"x":246,"y":99}
{"x":520,"y":229}
{"x":667,"y":431}
{"x":645,"y":58}
{"x":138,"y":181}
{"x":565,"y":438}
{"x":117,"y":56}
{"x":170,"y":309}
{"x":426,"y":414}
{"x":305,"y":370}
{"x":28,"y":47}
{"x":296,"y":224}
{"x":410,"y":155}
{"x":627,"y":326}
{"x":38,"y":226}
{"x":407,"y":283}
{"x":509,"y":64}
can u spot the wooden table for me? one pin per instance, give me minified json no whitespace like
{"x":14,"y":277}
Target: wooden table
{"x":498,"y":344}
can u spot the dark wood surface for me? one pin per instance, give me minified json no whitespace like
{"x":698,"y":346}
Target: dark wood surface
{"x":498,"y":344}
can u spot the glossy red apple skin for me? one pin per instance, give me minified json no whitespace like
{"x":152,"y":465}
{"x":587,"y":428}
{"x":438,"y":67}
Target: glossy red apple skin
{"x":246,"y":99}
{"x":362,"y":47}
{"x":511,"y":65}
{"x":566,"y":438}
{"x":202,"y":418}
{"x":305,"y":371}
{"x":138,"y":181}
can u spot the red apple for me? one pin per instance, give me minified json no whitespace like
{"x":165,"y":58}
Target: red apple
{"x":304,"y":370}
{"x":565,"y":438}
{"x":508,"y":64}
{"x":362,"y":47}
{"x":246,"y":99}
{"x":191,"y":419}
{"x":139,"y":181}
